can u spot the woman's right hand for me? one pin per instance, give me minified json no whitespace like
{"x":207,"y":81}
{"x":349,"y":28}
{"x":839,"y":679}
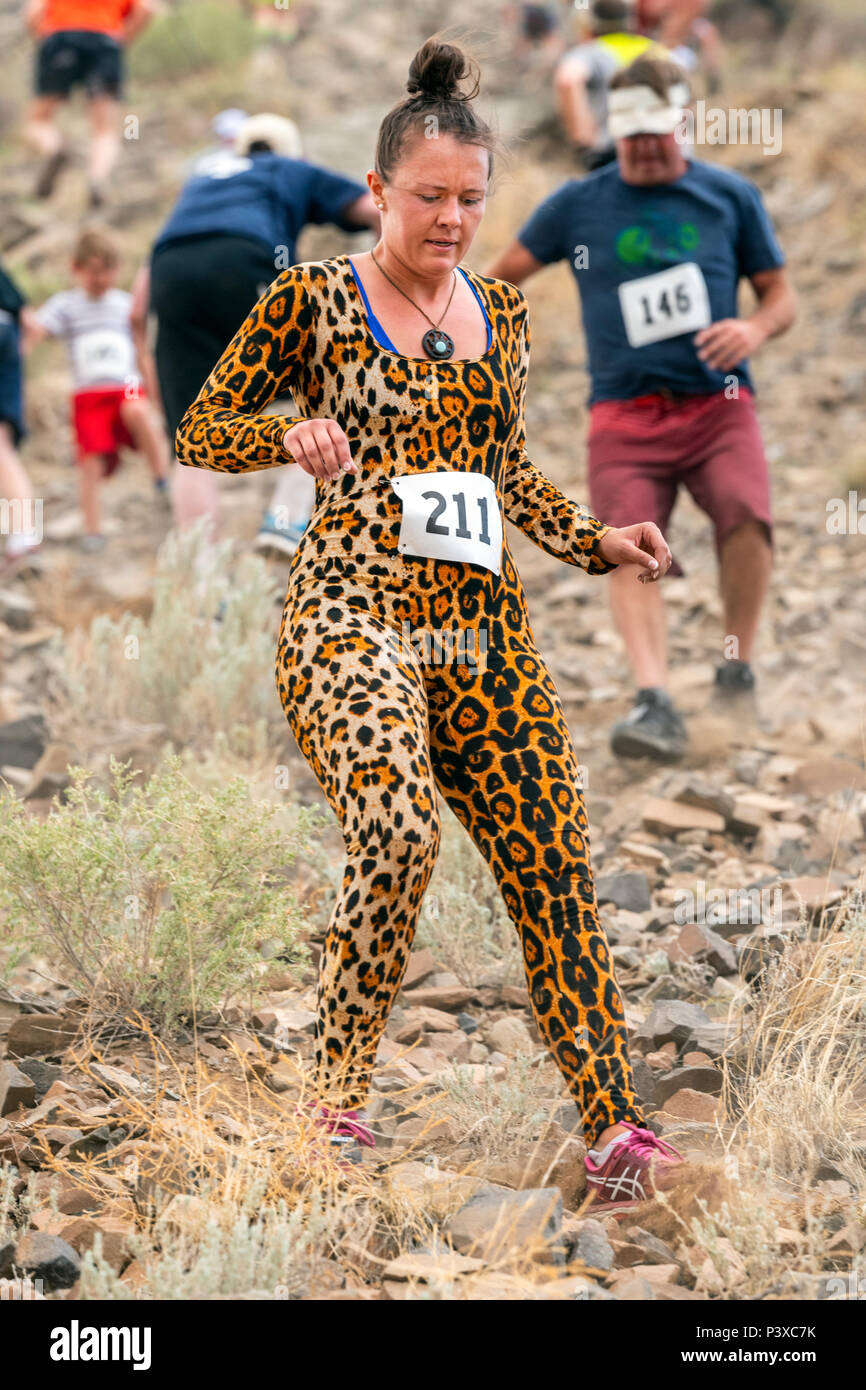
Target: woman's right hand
{"x":320,"y":447}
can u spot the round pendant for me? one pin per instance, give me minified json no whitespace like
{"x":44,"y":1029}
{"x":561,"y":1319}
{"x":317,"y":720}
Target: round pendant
{"x":437,"y":344}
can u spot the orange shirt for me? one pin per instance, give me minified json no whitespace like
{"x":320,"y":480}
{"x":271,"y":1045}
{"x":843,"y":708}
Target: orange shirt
{"x":105,"y":16}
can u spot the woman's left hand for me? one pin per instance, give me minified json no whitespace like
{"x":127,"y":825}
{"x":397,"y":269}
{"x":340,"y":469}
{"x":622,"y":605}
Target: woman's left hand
{"x":642,"y":544}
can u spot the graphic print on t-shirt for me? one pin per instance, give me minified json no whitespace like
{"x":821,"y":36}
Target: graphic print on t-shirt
{"x":657,"y":240}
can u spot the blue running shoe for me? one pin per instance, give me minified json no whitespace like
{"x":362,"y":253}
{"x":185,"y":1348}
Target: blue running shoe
{"x":280,"y":539}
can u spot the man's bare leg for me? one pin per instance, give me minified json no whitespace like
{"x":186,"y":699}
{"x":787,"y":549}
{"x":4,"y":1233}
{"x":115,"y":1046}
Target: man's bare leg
{"x":104,"y":144}
{"x":45,"y":137}
{"x":746,"y":563}
{"x":195,"y":493}
{"x":638,"y":611}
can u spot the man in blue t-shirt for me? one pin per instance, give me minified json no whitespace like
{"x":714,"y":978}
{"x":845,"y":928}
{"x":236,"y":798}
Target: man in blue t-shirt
{"x":658,"y":246}
{"x":231,"y":232}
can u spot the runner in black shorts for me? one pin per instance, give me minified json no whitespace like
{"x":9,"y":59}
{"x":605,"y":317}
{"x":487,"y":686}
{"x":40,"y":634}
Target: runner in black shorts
{"x":79,"y":58}
{"x":234,"y":226}
{"x":81,"y":44}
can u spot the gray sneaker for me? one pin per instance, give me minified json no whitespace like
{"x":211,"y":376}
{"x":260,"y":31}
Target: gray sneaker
{"x":92,"y":543}
{"x":734,"y":678}
{"x":653,"y":728}
{"x":733,"y":694}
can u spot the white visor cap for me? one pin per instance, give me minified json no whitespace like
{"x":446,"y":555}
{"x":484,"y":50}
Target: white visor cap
{"x":279,"y":132}
{"x":641,"y":111}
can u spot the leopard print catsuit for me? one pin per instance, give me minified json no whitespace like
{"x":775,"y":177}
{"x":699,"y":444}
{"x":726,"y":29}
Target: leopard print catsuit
{"x":383,"y":727}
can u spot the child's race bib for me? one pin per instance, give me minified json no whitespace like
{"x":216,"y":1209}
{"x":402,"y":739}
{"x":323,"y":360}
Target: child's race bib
{"x":103,"y":354}
{"x":450,"y":516}
{"x":665,"y":305}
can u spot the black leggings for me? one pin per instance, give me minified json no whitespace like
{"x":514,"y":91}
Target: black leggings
{"x":201,"y":290}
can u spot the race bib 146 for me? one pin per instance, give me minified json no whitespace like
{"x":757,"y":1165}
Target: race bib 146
{"x":450,"y":516}
{"x":665,"y":305}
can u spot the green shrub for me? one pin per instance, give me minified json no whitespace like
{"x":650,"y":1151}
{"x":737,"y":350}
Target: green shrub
{"x":190,"y":38}
{"x":201,"y":664}
{"x":152,"y":899}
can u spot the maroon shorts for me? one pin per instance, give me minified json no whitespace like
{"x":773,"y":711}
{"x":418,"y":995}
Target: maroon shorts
{"x":640,"y":451}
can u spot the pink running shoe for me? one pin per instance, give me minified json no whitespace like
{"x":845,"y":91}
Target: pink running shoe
{"x":638,"y":1166}
{"x":346,"y":1133}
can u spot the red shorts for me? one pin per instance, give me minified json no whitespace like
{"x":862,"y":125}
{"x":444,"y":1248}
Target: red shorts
{"x":640,"y":451}
{"x":99,"y":428}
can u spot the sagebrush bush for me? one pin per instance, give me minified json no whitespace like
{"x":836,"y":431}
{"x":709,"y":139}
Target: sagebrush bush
{"x":190,"y":38}
{"x":497,"y":1117}
{"x":201,"y":664}
{"x":795,"y":1083}
{"x":152,"y":898}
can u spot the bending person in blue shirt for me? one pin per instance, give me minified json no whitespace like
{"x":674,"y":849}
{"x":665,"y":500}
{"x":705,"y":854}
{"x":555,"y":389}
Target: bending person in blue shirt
{"x":658,"y":246}
{"x":233,"y":229}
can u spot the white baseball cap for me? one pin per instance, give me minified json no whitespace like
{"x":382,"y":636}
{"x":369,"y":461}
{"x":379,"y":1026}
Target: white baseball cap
{"x":641,"y":111}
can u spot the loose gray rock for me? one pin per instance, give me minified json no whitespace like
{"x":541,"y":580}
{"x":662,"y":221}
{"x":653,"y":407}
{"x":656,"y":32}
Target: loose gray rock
{"x":662,"y":919}
{"x":16,"y":1089}
{"x":665,"y":987}
{"x":672,"y":1020}
{"x":591,"y":1246}
{"x":708,"y":797}
{"x":628,"y":890}
{"x":705,"y":1079}
{"x":22,"y":741}
{"x":644,"y":1080}
{"x":47,"y":1258}
{"x":42,"y":1074}
{"x":702,"y":943}
{"x":92,"y":1144}
{"x":628,"y":957}
{"x":711,"y":1038}
{"x":496,"y":1219}
{"x":16,"y":610}
{"x":569,"y":1118}
{"x":656,"y":1252}
{"x":757,"y":951}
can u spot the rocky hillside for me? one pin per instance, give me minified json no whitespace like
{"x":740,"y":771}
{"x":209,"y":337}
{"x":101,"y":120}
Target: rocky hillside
{"x":729,"y":886}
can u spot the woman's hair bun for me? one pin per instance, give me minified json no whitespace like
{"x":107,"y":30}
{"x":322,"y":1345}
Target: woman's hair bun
{"x":437,"y":70}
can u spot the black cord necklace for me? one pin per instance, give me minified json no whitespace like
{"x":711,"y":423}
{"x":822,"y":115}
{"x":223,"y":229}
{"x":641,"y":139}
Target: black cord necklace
{"x":436,"y":342}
